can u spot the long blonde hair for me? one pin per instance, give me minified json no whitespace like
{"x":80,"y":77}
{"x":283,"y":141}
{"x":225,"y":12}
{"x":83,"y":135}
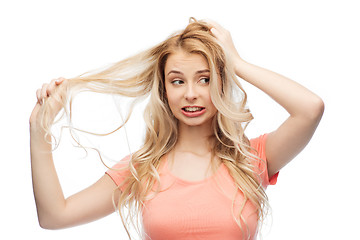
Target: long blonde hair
{"x":143,"y":75}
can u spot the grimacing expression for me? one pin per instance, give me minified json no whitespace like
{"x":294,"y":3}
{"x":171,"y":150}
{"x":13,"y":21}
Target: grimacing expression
{"x":187,"y":85}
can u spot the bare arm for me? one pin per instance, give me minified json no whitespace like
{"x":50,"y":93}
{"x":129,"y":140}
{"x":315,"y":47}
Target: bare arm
{"x":54,"y":211}
{"x":305,"y":107}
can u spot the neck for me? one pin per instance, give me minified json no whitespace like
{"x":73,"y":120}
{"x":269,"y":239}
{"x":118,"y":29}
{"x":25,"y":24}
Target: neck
{"x":195,"y":139}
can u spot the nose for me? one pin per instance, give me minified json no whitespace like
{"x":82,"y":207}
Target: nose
{"x":191,"y":93}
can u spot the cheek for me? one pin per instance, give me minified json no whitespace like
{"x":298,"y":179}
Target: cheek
{"x":211,"y":104}
{"x":208,"y":98}
{"x":171,"y":99}
{"x":173,"y":95}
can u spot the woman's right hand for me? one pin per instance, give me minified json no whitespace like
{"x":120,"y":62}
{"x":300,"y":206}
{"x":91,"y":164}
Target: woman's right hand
{"x":54,"y":211}
{"x":53,"y":94}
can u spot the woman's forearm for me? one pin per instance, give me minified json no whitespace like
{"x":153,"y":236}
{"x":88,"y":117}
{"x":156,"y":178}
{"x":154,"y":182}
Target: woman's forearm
{"x":296,"y":99}
{"x":54,"y":211}
{"x":48,"y":194}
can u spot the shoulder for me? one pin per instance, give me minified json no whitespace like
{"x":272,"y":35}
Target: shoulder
{"x":120,"y":171}
{"x":258,"y":148}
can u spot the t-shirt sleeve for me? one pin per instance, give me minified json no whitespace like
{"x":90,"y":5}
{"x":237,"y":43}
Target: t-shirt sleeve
{"x":119,"y":172}
{"x":258,"y":144}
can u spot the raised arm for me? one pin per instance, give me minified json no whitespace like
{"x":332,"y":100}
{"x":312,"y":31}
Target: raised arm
{"x":54,"y":211}
{"x":305,"y":107}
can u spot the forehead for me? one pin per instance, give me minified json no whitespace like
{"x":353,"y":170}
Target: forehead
{"x":183,"y":61}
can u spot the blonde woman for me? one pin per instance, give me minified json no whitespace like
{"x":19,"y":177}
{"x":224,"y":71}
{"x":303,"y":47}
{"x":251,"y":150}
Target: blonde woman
{"x":197,"y":175}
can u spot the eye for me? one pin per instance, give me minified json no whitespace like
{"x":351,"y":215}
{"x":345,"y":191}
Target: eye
{"x":204,"y":80}
{"x":177,"y":82}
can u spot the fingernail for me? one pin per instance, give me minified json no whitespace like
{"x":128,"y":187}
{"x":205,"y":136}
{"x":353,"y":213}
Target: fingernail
{"x":59,"y":80}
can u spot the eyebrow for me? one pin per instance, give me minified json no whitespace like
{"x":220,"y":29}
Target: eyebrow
{"x":197,"y":72}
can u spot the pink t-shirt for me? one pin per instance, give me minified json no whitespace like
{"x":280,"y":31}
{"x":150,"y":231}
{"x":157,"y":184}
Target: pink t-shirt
{"x":201,"y":209}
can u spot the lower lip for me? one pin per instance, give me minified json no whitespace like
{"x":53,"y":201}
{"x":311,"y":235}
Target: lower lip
{"x":193,"y":114}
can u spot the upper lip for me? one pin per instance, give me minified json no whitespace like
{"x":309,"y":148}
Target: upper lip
{"x":193,"y":107}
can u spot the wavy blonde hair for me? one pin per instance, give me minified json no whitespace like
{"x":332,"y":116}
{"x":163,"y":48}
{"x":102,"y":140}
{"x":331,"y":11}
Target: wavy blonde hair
{"x":142,"y":75}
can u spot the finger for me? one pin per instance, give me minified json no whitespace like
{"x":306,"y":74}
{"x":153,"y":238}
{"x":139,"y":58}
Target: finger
{"x":63,"y":84}
{"x":214,"y":24}
{"x":214,"y":31}
{"x":59,"y":80}
{"x":210,"y":22}
{"x":51,"y":87}
{"x":218,"y":36}
{"x":43,"y":92}
{"x":38,"y":96}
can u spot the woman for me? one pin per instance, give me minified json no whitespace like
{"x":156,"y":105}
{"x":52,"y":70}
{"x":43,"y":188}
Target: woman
{"x":197,"y":174}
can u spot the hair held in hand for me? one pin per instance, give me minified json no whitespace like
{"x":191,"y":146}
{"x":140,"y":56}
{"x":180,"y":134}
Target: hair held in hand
{"x":142,"y":76}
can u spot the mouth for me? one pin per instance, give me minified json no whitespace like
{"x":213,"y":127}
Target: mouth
{"x":193,"y":109}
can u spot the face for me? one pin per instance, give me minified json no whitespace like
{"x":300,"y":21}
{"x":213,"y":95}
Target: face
{"x":187,"y":78}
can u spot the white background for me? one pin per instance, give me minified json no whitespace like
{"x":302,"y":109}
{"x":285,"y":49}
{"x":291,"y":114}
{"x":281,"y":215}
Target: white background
{"x":316,"y":43}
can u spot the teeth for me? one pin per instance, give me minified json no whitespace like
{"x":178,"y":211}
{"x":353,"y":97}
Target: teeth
{"x":192,"y":109}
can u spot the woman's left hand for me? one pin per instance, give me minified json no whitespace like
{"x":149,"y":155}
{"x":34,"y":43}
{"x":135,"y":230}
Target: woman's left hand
{"x":225,"y":40}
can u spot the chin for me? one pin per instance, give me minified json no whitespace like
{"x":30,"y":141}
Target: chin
{"x":196,"y":122}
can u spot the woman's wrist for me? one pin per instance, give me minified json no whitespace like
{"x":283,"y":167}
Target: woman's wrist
{"x":239,"y":65}
{"x":38,"y":133}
